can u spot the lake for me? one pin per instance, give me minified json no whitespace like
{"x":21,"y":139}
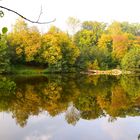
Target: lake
{"x":70,"y":107}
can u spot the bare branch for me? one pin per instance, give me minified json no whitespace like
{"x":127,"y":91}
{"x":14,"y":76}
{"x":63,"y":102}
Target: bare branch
{"x":40,"y":14}
{"x":27,"y":18}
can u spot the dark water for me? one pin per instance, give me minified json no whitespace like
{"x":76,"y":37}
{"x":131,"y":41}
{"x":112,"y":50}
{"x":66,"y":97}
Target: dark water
{"x":74,"y":107}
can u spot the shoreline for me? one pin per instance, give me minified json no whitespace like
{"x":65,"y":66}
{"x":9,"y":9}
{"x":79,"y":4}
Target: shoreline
{"x":106,"y":72}
{"x":29,"y":70}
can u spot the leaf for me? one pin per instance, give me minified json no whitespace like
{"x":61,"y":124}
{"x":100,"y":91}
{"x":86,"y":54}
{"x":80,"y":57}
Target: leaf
{"x":4,"y":30}
{"x":1,"y":14}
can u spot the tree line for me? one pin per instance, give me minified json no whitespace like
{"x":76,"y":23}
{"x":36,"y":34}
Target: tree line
{"x":91,"y":45}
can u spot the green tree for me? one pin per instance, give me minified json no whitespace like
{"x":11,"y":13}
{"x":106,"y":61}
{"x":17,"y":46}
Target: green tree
{"x":131,"y":61}
{"x":105,"y":47}
{"x":97,"y":29}
{"x":131,"y":28}
{"x":84,"y":40}
{"x":87,"y":40}
{"x":93,"y":65}
{"x":4,"y":57}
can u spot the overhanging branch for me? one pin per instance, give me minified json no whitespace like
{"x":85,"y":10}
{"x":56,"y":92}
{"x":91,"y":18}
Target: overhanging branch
{"x":37,"y":22}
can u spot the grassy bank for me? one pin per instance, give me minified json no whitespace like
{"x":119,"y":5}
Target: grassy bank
{"x":27,"y":69}
{"x":23,"y":69}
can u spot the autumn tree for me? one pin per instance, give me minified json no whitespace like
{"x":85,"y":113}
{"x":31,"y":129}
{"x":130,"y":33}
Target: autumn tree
{"x":50,"y":51}
{"x":58,"y":50}
{"x":114,"y":28}
{"x":24,"y":42}
{"x":120,"y":46}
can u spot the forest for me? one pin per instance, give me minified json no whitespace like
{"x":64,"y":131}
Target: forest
{"x":89,"y":45}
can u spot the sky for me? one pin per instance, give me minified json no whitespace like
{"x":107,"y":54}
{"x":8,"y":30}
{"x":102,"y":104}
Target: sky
{"x":95,"y":10}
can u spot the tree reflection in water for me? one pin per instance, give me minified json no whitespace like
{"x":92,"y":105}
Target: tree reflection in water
{"x":139,"y":137}
{"x":78,"y":96}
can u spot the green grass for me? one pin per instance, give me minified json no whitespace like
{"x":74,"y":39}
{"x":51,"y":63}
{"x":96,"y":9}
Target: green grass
{"x":23,"y":69}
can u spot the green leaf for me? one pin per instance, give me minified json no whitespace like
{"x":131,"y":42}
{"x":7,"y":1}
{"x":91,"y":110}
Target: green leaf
{"x":1,"y":14}
{"x":4,"y":30}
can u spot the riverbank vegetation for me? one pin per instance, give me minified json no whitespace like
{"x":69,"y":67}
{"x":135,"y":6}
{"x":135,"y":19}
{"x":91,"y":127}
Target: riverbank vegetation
{"x":91,"y":46}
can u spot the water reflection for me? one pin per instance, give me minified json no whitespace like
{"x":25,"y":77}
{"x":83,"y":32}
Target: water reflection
{"x":86,"y":97}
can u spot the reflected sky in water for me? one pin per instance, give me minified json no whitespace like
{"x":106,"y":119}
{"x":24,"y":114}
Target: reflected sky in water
{"x":69,"y":108}
{"x":43,"y":127}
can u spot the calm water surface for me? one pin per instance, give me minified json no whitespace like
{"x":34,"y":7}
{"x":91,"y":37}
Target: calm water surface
{"x":74,"y":107}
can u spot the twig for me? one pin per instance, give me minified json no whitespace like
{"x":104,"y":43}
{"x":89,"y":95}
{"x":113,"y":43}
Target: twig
{"x":27,"y":18}
{"x":40,"y":14}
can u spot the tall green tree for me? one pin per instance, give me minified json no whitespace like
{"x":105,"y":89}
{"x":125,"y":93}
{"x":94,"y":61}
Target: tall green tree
{"x":131,"y":61}
{"x":87,"y":40}
{"x":105,"y":51}
{"x":4,"y":57}
{"x":131,"y":28}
